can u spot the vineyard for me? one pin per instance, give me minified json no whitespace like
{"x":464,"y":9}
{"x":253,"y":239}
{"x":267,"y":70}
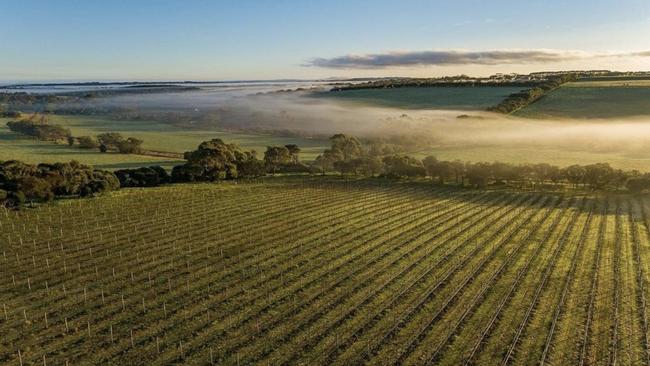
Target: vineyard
{"x":326,"y":272}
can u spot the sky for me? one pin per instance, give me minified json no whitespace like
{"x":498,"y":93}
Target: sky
{"x":45,"y":40}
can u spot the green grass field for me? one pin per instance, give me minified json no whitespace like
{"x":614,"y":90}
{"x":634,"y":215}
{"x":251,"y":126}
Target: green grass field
{"x":593,"y":99}
{"x":156,"y":135}
{"x":452,"y":98}
{"x":326,"y":272}
{"x":14,"y":146}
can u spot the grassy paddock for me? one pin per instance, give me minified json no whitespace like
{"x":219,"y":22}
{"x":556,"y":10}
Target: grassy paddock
{"x":452,"y":98}
{"x":157,"y":136}
{"x":593,"y":99}
{"x":326,"y":271}
{"x":14,"y":146}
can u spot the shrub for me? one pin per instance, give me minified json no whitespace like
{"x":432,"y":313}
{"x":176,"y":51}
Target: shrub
{"x":142,"y":177}
{"x":87,"y":142}
{"x":130,"y":146}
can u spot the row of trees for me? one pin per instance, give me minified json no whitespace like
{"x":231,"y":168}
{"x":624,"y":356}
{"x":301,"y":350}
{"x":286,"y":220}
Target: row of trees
{"x":113,"y":141}
{"x":216,"y":160}
{"x":212,"y":160}
{"x":348,"y":155}
{"x":525,"y":97}
{"x":447,"y":81}
{"x":109,"y":141}
{"x":593,"y":176}
{"x":39,"y":128}
{"x":21,"y":183}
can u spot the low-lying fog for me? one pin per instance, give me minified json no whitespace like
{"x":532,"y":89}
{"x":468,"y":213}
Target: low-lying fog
{"x":260,"y":109}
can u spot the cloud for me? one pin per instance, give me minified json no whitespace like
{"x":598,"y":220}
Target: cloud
{"x":459,"y":57}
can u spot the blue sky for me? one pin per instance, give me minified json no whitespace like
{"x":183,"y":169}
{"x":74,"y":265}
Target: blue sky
{"x":225,"y":40}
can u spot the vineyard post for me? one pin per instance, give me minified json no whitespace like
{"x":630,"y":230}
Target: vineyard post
{"x":180,"y":346}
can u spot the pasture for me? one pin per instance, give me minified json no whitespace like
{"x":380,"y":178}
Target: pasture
{"x":450,"y":98}
{"x":326,"y":272}
{"x":14,"y":146}
{"x":157,"y":136}
{"x":593,"y":99}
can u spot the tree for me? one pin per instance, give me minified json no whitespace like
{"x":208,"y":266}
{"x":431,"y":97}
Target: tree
{"x":187,"y":173}
{"x":638,"y":184}
{"x":348,"y":147}
{"x":294,"y":153}
{"x":25,"y":182}
{"x":87,"y":142}
{"x":368,"y":165}
{"x":143,"y":177}
{"x":599,"y":175}
{"x":109,"y":140}
{"x":398,"y":166}
{"x":478,"y":175}
{"x":274,"y":156}
{"x":575,"y":174}
{"x":323,"y":164}
{"x":130,"y":146}
{"x":250,"y":166}
{"x":40,"y":130}
{"x":212,"y":160}
{"x":459,"y":170}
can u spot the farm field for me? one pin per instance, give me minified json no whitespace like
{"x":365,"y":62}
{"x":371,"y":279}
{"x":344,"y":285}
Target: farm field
{"x":14,"y":146}
{"x":326,"y":272}
{"x":451,"y":98}
{"x":593,"y":99}
{"x":157,"y":136}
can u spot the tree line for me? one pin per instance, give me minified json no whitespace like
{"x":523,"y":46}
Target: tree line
{"x":216,"y":160}
{"x":37,"y":126}
{"x":348,"y":155}
{"x":22,"y":183}
{"x":447,"y":82}
{"x":525,"y":97}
